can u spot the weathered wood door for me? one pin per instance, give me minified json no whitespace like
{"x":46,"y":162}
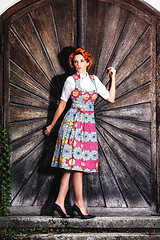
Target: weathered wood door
{"x":40,"y":37}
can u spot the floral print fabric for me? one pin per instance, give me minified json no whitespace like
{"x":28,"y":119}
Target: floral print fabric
{"x":76,"y":148}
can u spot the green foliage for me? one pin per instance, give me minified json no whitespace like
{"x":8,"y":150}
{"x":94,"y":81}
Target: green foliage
{"x":5,"y":175}
{"x":15,"y":233}
{"x":26,"y":233}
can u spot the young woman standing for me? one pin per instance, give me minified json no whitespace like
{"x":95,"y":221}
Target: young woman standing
{"x":76,"y":149}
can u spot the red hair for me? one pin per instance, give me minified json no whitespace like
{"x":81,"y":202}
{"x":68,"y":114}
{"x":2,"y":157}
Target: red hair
{"x":87,"y":56}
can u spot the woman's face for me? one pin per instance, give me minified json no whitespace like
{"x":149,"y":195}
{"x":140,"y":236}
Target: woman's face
{"x":80,"y":63}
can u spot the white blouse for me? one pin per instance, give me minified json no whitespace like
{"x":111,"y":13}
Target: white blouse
{"x":85,"y":83}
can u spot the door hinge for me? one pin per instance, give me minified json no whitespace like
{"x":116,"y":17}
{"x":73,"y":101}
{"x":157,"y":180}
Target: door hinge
{"x":1,"y":44}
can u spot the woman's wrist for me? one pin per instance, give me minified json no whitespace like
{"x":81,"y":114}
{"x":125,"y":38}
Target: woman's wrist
{"x":52,"y":125}
{"x":113,"y":77}
{"x":112,"y":72}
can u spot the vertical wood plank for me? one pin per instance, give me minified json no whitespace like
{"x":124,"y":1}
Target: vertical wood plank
{"x":153,"y":111}
{"x":6,"y":76}
{"x":158,"y":112}
{"x":45,"y":22}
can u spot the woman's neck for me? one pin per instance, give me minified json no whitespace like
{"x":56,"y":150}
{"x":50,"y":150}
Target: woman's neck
{"x":83,"y":74}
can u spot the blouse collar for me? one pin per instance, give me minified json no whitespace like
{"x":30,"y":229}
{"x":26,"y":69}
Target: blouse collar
{"x":81,"y":76}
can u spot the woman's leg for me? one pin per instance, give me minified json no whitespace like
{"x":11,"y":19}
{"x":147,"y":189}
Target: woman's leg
{"x":63,"y":190}
{"x":78,"y":189}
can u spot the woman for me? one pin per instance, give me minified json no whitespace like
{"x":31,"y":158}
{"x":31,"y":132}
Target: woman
{"x":76,"y":149}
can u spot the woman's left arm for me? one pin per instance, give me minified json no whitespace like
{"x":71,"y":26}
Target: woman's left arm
{"x":112,"y":91}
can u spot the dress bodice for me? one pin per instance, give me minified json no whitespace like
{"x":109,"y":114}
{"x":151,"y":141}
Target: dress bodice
{"x":81,"y":98}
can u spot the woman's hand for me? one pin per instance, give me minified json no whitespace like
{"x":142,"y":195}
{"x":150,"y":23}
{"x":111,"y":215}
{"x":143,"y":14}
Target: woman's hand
{"x":48,"y":130}
{"x":112,"y":90}
{"x":111,"y":71}
{"x":58,"y":113}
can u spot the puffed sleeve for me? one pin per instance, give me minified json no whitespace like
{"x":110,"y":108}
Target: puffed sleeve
{"x":101,"y":89}
{"x":68,"y":87}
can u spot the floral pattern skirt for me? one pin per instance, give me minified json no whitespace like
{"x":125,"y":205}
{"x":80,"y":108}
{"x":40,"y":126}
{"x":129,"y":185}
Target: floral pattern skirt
{"x":76,"y":147}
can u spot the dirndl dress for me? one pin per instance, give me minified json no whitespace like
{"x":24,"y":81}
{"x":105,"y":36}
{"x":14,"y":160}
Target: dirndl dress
{"x":76,"y":147}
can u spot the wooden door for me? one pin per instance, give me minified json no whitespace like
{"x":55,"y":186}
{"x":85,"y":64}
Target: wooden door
{"x":40,"y":38}
{"x":124,"y":40}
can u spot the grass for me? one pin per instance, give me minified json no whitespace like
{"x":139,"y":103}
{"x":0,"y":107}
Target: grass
{"x":18,"y":233}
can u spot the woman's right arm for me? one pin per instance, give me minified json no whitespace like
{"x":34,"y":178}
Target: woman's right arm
{"x":58,"y":113}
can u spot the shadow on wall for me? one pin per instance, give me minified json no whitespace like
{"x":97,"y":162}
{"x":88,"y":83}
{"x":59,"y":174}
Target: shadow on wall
{"x":50,"y":187}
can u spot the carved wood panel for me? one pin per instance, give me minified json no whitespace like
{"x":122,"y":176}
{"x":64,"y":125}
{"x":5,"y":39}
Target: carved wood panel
{"x":40,"y":39}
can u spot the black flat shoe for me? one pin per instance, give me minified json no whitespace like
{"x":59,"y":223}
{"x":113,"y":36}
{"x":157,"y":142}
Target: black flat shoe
{"x":58,"y":209}
{"x":75,"y":208}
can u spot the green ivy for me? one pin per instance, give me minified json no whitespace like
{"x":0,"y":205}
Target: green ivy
{"x":5,"y":175}
{"x":15,"y":233}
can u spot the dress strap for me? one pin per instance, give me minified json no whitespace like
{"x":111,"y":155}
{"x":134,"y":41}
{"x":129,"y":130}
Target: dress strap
{"x":76,"y":77}
{"x":93,"y":80}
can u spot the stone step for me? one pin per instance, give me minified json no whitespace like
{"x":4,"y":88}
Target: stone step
{"x":94,"y":236}
{"x":120,"y":223}
{"x":115,"y":228}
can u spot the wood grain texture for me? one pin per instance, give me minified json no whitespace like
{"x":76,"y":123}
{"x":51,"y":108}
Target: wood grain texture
{"x":158,"y":109}
{"x":37,"y":74}
{"x":137,"y":147}
{"x":112,"y":193}
{"x":95,"y":192}
{"x":141,"y":76}
{"x":24,"y":59}
{"x":132,"y":7}
{"x":137,"y":58}
{"x":22,"y":171}
{"x":124,"y":126}
{"x":21,"y":79}
{"x":140,"y":113}
{"x":125,"y":43}
{"x":21,"y":96}
{"x":40,"y":39}
{"x":21,"y":129}
{"x":20,"y":113}
{"x":140,"y":95}
{"x":127,"y":178}
{"x":20,"y":149}
{"x":140,"y":130}
{"x":33,"y":43}
{"x":44,"y":18}
{"x":65,"y":20}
